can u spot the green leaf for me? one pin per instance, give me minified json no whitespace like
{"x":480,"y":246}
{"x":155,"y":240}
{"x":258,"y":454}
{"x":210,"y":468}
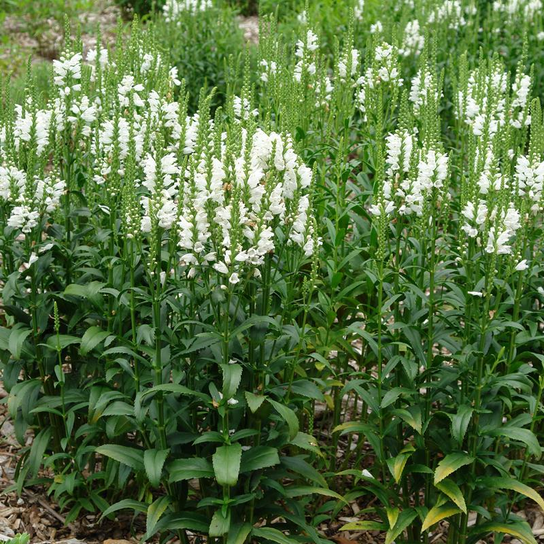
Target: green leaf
{"x":232,"y":376}
{"x":84,"y":291}
{"x":251,"y":322}
{"x":308,"y":389}
{"x":63,"y":341}
{"x":300,"y":491}
{"x":405,"y":518}
{"x":438,"y":513}
{"x":269,"y":533}
{"x":131,"y":457}
{"x":514,"y":485}
{"x":452,"y":490}
{"x":226,"y":464}
{"x":259,"y":457}
{"x":254,"y":401}
{"x":155,"y":512}
{"x":364,"y":526}
{"x":396,"y":465}
{"x":298,"y":465}
{"x":92,"y":337}
{"x":288,"y":415}
{"x":182,"y":520}
{"x":411,"y":417}
{"x":521,"y":435}
{"x":189,"y":469}
{"x":125,"y":504}
{"x":220,"y":524}
{"x":17,"y":339}
{"x":391,"y":396}
{"x":450,"y":464}
{"x":519,"y":529}
{"x":238,"y":533}
{"x":153,"y":463}
{"x":174,"y":388}
{"x":41,"y":441}
{"x":392,"y":516}
{"x":307,"y":442}
{"x":460,"y":422}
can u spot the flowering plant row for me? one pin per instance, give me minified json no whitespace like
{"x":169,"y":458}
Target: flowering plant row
{"x":244,"y":319}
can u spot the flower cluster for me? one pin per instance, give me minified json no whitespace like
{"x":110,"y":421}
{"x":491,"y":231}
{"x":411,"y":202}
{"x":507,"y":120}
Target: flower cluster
{"x":173,"y":9}
{"x":231,"y":207}
{"x":385,"y":66}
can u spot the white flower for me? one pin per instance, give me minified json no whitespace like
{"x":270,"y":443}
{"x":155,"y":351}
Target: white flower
{"x":476,"y":293}
{"x":67,"y":71}
{"x":358,"y":10}
{"x":522,"y":265}
{"x":376,"y":28}
{"x":221,"y":267}
{"x":32,"y":260}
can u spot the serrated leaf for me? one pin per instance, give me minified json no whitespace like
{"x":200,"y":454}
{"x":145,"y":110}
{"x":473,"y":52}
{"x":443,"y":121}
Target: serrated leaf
{"x":254,"y":401}
{"x":413,"y":417}
{"x":521,"y":435}
{"x":307,"y":442}
{"x":308,"y":389}
{"x":460,"y":422}
{"x":182,"y":520}
{"x":288,"y":415}
{"x":452,"y":491}
{"x":153,"y":463}
{"x":84,"y":291}
{"x":131,"y":457}
{"x":391,"y":396}
{"x":300,"y":491}
{"x":259,"y":457}
{"x":17,"y":339}
{"x":92,"y":337}
{"x":392,"y":516}
{"x":438,"y":513}
{"x":155,"y":512}
{"x":232,"y":376}
{"x":189,"y":469}
{"x":450,"y":464}
{"x":62,"y":341}
{"x":405,"y":518}
{"x":518,"y":529}
{"x":226,"y":464}
{"x":220,"y":524}
{"x":300,"y":466}
{"x":514,"y":485}
{"x":175,"y":389}
{"x":396,"y":465}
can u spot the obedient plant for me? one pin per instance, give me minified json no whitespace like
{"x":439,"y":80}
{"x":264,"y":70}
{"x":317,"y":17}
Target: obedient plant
{"x":202,"y":38}
{"x":156,"y":265}
{"x":313,"y":292}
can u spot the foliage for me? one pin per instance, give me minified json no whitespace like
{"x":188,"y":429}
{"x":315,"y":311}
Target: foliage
{"x":205,"y":44}
{"x":20,"y":539}
{"x":210,"y":295}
